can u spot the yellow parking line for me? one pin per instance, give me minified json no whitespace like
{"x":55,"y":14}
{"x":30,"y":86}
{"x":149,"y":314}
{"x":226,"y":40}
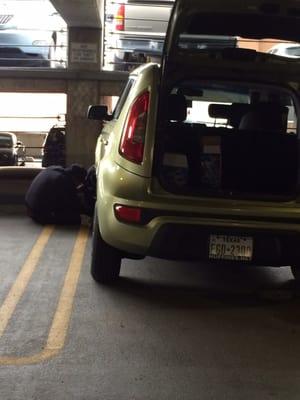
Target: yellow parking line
{"x":23,"y":278}
{"x":58,"y":331}
{"x":59,"y":328}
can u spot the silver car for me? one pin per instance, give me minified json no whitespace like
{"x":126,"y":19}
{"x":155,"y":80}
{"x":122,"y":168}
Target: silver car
{"x":12,"y":150}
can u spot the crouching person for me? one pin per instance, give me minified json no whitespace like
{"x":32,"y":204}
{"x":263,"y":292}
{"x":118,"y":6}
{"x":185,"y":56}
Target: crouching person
{"x":53,"y":196}
{"x":90,"y":190}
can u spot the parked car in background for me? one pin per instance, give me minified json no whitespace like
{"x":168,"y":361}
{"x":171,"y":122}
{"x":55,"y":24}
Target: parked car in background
{"x":136,"y":31}
{"x":12,"y":150}
{"x":27,"y":44}
{"x":54,"y":147}
{"x":200,"y":160}
{"x":290,"y":50}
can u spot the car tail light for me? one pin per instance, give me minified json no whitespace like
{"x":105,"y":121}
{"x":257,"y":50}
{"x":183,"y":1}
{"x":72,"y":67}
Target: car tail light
{"x":133,"y":138}
{"x":120,"y":18}
{"x":128,"y":214}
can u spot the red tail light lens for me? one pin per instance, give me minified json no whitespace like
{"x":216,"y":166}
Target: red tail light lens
{"x":133,"y":139}
{"x":120,"y":18}
{"x":128,"y":214}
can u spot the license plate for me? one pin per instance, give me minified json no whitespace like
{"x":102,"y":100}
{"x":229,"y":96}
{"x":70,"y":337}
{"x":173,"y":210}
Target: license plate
{"x":224,"y":247}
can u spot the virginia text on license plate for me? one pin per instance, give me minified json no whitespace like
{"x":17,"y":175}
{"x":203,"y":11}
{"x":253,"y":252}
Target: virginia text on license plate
{"x":225,"y":247}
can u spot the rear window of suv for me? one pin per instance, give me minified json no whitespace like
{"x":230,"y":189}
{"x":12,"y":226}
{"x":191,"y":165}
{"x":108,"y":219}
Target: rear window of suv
{"x":215,"y":104}
{"x":5,"y":141}
{"x":122,"y":98}
{"x":229,"y":139}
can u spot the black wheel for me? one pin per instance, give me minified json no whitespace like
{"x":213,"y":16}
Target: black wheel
{"x":106,"y":260}
{"x":296,"y":272}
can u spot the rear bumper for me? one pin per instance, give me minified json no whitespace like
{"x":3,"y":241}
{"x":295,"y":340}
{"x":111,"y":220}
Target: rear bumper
{"x":7,"y":160}
{"x":148,"y":46}
{"x":171,"y":227}
{"x":191,"y":242}
{"x":187,"y":238}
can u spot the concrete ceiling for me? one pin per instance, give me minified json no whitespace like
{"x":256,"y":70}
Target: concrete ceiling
{"x":77,"y":13}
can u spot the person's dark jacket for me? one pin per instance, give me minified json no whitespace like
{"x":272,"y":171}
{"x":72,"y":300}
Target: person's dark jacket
{"x":52,"y":197}
{"x":90,"y":190}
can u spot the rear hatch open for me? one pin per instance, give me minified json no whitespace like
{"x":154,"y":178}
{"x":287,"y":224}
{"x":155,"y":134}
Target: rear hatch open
{"x":229,"y":110}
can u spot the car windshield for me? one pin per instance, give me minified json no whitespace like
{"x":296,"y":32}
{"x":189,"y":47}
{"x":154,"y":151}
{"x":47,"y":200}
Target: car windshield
{"x":5,"y":141}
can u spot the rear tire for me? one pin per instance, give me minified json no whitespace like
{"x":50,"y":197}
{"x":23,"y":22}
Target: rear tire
{"x":106,"y":260}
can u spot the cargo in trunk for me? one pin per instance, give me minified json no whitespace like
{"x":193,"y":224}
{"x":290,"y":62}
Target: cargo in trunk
{"x":229,"y":139}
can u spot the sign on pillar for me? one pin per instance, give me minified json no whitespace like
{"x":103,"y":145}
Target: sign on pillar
{"x":83,"y":52}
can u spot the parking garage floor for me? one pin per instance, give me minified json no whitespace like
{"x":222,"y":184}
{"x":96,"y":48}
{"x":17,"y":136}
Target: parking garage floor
{"x":167,"y":330}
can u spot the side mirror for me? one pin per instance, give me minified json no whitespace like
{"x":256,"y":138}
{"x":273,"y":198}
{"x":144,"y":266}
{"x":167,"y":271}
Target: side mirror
{"x":19,"y":143}
{"x":99,"y":113}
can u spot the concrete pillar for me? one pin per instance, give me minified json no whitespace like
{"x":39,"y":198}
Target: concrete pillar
{"x":81,"y":134}
{"x":84,"y":50}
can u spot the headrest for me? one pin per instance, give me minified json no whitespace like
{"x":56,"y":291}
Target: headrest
{"x":232,"y":112}
{"x":266,"y":117}
{"x":176,"y":108}
{"x":219,"y":111}
{"x":238,"y":110}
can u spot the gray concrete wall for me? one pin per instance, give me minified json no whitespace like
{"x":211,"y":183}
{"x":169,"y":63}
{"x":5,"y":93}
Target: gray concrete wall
{"x":82,"y":88}
{"x":33,"y":142}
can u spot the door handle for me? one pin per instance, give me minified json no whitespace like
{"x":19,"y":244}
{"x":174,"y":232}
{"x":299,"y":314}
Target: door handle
{"x":104,"y":141}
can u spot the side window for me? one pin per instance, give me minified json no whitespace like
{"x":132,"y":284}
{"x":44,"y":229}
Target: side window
{"x":123,"y":98}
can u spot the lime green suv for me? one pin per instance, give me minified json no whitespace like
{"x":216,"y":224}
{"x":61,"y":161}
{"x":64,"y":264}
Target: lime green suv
{"x":200,"y":158}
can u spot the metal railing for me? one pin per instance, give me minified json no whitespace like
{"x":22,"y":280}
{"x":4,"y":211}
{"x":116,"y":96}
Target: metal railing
{"x":32,"y":158}
{"x":31,"y":143}
{"x":126,"y":49}
{"x":33,"y":48}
